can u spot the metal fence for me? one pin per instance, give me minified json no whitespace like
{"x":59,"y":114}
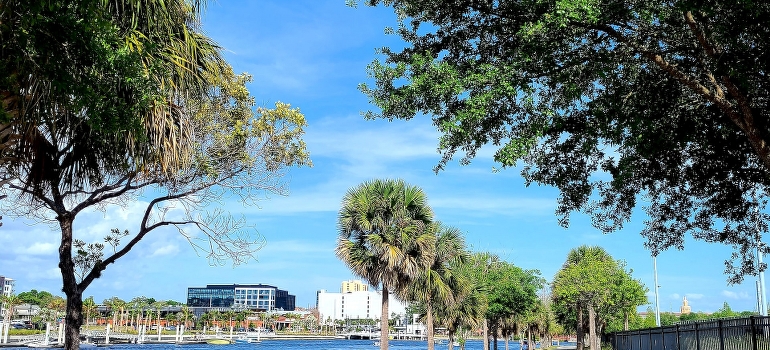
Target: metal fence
{"x":751,"y":333}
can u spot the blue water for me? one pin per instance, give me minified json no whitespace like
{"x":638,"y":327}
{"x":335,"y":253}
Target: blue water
{"x":336,"y":344}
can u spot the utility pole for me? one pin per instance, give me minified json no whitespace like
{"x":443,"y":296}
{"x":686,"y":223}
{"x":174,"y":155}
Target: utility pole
{"x":657,"y":299}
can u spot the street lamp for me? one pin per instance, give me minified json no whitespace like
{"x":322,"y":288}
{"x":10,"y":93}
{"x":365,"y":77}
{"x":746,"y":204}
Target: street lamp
{"x":657,"y":300}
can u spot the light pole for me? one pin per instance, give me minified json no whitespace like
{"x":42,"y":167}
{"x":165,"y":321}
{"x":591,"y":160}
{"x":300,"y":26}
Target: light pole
{"x":657,"y":300}
{"x":762,"y":294}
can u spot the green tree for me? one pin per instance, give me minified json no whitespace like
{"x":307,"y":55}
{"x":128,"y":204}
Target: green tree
{"x":34,"y":297}
{"x":512,"y":294}
{"x":89,"y":306}
{"x":436,"y":286}
{"x":9,"y":304}
{"x":582,"y":284}
{"x":605,"y":100}
{"x":383,"y":237}
{"x":121,"y":88}
{"x":724,"y":312}
{"x":626,"y":294}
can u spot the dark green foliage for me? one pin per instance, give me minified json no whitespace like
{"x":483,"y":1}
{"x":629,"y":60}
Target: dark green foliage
{"x":65,"y":72}
{"x":615,"y":103}
{"x":41,"y":298}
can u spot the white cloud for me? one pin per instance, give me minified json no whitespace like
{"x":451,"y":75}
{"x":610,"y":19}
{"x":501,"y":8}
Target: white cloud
{"x":734,"y":295}
{"x":169,"y":249}
{"x":52,"y":273}
{"x":38,"y":248}
{"x":675,"y":296}
{"x":694,"y":296}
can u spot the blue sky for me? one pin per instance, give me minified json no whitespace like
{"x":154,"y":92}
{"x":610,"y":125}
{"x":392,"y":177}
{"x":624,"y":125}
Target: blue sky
{"x":313,"y":54}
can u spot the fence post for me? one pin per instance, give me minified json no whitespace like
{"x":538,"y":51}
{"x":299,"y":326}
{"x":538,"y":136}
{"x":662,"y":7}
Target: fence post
{"x":662,"y":339}
{"x":721,"y":336}
{"x":677,"y":338}
{"x":697,"y":337}
{"x":753,"y":333}
{"x":649,"y":339}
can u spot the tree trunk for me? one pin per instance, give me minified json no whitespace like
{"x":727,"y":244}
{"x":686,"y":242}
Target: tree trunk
{"x":429,"y":321}
{"x":625,"y":320}
{"x":591,"y":327}
{"x":486,"y":334}
{"x":451,"y":334}
{"x":579,"y":327}
{"x":73,"y":317}
{"x":530,"y":344}
{"x":384,"y":319}
{"x":506,"y":336}
{"x":493,"y":333}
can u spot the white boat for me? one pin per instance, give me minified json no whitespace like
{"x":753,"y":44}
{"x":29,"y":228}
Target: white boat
{"x":43,"y":344}
{"x":248,"y":337}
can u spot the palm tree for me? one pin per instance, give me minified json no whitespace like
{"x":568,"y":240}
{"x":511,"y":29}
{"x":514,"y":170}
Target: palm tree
{"x":383,"y":237}
{"x":89,"y":306}
{"x":9,"y":303}
{"x":187,"y":314}
{"x":468,"y":308}
{"x":436,"y":285}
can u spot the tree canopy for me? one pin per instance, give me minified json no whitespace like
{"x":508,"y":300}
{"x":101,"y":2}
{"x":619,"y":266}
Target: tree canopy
{"x":105,"y":101}
{"x":618,"y":104}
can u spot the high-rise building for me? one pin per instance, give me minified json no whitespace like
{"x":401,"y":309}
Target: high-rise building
{"x":353,"y":286}
{"x":356,"y":305}
{"x":259,"y":297}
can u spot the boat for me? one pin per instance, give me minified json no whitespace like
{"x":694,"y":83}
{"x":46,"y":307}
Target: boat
{"x":43,"y":344}
{"x":218,"y":341}
{"x":248,"y":338}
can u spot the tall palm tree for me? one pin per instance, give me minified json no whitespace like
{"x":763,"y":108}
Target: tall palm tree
{"x":187,"y":314}
{"x":383,"y":237}
{"x":89,"y":306}
{"x":437,"y":284}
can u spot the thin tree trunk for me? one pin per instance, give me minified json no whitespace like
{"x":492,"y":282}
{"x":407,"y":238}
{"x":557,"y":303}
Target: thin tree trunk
{"x":530,"y":344}
{"x":429,"y":321}
{"x":592,"y":327}
{"x":486,"y":335}
{"x":625,"y":320}
{"x":384,"y":319}
{"x":451,"y":335}
{"x":579,"y":328}
{"x":493,"y":333}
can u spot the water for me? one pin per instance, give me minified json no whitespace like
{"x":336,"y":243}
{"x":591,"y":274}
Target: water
{"x":332,"y":344}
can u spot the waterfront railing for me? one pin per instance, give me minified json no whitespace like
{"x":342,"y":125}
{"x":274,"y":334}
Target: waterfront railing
{"x":749,"y":333}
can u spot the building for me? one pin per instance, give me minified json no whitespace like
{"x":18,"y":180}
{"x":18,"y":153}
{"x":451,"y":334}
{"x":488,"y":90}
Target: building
{"x":7,"y":285}
{"x":355,"y":305}
{"x":7,"y":289}
{"x":353,"y":286}
{"x":258,"y":297}
{"x":685,"y":309}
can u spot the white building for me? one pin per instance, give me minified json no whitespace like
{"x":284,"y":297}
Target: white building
{"x":355,"y":305}
{"x":7,"y":289}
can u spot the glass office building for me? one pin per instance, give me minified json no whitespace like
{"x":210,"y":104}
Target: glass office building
{"x":260,"y":297}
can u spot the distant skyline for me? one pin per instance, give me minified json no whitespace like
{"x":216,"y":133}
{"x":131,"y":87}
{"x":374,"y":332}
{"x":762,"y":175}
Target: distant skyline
{"x":313,"y":54}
